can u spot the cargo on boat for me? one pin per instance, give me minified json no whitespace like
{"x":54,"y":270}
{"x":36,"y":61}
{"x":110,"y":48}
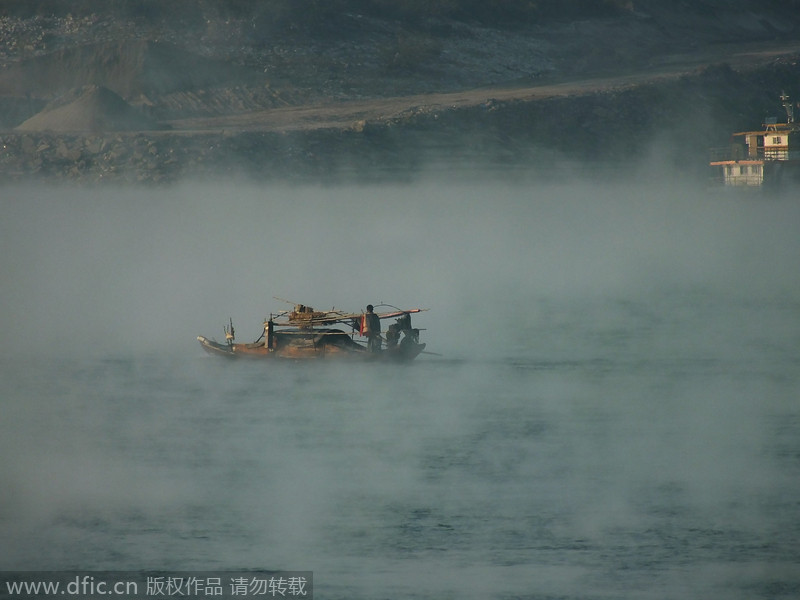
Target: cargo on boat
{"x":304,"y":333}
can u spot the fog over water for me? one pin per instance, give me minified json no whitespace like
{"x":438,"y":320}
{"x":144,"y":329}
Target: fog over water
{"x":615,"y":414}
{"x":130,"y":270}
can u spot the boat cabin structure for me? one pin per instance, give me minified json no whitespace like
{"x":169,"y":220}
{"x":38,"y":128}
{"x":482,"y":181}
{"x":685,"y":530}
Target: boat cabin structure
{"x":767,"y":157}
{"x":304,"y":333}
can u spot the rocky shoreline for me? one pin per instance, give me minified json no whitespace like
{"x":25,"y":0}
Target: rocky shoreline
{"x":611,"y":128}
{"x":159,"y":71}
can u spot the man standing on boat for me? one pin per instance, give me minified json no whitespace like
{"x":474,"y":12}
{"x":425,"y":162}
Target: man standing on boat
{"x":372,"y":329}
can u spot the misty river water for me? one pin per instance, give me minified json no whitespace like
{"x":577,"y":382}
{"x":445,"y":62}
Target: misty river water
{"x":616,"y":413}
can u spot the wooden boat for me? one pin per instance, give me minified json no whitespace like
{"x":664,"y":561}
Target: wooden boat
{"x":304,"y":333}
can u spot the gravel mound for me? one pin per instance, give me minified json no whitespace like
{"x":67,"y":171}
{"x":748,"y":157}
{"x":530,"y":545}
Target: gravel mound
{"x":89,"y":108}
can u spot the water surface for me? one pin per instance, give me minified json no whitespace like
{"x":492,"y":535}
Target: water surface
{"x":615,"y":414}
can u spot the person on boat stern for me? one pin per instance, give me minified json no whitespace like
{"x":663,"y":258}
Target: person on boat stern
{"x":372,"y":329}
{"x":392,"y":336}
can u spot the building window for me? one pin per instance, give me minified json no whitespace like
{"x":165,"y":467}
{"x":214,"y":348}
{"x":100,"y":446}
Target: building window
{"x":776,"y":141}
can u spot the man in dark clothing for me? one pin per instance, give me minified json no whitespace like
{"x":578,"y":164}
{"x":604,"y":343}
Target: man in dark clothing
{"x":372,"y":329}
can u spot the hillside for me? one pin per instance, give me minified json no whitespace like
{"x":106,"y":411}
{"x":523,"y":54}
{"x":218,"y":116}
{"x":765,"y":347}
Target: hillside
{"x":348,"y":80}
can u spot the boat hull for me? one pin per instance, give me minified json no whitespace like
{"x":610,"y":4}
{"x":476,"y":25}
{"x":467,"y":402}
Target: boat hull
{"x":311,"y":350}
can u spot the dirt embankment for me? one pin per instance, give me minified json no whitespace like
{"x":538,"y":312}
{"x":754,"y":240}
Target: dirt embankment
{"x":165,"y":104}
{"x":677,"y":118}
{"x":354,"y":114}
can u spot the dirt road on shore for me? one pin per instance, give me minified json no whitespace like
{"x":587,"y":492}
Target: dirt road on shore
{"x":355,"y":113}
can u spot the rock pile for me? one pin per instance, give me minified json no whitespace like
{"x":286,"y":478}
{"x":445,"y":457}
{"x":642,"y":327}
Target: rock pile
{"x":164,"y":157}
{"x":121,"y":157}
{"x":128,"y":157}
